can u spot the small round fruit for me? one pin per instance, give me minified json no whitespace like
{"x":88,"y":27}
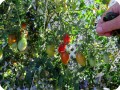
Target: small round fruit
{"x":1,"y":54}
{"x":66,"y":38}
{"x":80,"y":59}
{"x":23,"y":25}
{"x":14,"y":63}
{"x":22,"y":44}
{"x":106,"y":58}
{"x":61,"y":48}
{"x":50,"y":50}
{"x":13,"y":46}
{"x":64,"y":57}
{"x":92,"y":62}
{"x":11,"y":39}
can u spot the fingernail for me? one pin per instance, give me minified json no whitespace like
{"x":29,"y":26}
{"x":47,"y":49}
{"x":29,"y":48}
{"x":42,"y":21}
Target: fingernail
{"x":99,"y":29}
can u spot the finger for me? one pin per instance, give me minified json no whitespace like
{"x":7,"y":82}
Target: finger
{"x":101,"y":34}
{"x":99,"y":23}
{"x":107,"y":34}
{"x":109,"y":10}
{"x":114,"y":9}
{"x":109,"y":26}
{"x":101,"y":20}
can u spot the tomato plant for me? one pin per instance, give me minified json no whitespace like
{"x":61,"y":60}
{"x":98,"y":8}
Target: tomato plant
{"x":40,"y":40}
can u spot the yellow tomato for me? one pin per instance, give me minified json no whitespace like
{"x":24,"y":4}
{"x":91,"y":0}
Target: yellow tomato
{"x":80,"y":59}
{"x":50,"y":50}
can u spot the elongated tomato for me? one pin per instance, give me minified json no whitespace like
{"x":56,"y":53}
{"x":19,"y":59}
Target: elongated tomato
{"x":11,"y":39}
{"x":64,"y":57}
{"x":80,"y":59}
{"x":22,"y":44}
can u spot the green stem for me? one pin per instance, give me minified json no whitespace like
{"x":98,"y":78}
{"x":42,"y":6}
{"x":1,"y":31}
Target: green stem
{"x":45,"y":15}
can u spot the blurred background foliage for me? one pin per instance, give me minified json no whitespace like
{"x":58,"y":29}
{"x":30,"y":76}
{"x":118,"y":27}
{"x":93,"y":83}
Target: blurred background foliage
{"x":42,"y":24}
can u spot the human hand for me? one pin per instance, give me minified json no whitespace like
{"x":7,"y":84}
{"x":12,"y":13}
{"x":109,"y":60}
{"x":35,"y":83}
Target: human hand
{"x":106,"y":28}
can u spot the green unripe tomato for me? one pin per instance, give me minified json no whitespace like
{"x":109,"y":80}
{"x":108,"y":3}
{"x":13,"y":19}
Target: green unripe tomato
{"x":92,"y":62}
{"x":22,"y":44}
{"x":106,"y":58}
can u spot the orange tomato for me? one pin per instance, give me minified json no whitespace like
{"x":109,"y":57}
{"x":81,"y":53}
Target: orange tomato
{"x":11,"y":39}
{"x":23,"y":25}
{"x":64,"y":57}
{"x":14,"y":63}
{"x":80,"y":59}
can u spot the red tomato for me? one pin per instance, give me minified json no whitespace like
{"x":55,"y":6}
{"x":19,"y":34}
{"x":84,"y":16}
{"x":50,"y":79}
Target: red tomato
{"x":66,"y":38}
{"x":61,"y":48}
{"x":24,"y":25}
{"x":64,"y":57}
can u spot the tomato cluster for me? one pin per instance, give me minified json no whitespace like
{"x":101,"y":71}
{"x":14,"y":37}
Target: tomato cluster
{"x":62,"y":49}
{"x":62,"y":46}
{"x":15,"y":42}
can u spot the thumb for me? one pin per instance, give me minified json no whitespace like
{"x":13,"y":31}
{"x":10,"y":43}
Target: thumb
{"x":109,"y":25}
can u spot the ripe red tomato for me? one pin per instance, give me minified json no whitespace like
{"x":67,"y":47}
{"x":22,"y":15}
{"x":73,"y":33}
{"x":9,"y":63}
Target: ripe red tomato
{"x":12,"y":39}
{"x":66,"y":38}
{"x":61,"y":48}
{"x":64,"y":57}
{"x":23,"y":25}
